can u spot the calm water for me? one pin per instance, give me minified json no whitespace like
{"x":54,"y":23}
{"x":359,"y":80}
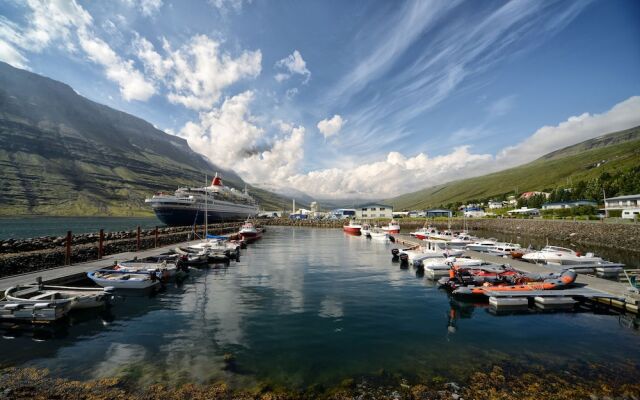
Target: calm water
{"x":58,"y":226}
{"x":309,"y":306}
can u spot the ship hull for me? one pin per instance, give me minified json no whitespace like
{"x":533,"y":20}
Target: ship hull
{"x":184,"y":217}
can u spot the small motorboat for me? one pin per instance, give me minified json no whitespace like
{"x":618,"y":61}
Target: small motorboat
{"x":124,"y":279}
{"x":378,"y":234}
{"x":250,"y":232}
{"x":191,"y":258}
{"x":476,"y":274}
{"x":432,"y":249}
{"x":80,"y":297}
{"x":365,"y":230}
{"x":481,"y":245}
{"x":560,"y":255}
{"x":353,"y":227}
{"x":438,"y":267}
{"x":461,"y":241}
{"x":34,"y":310}
{"x":392,"y":228}
{"x":424,"y":233}
{"x":164,"y":270}
{"x":504,"y":249}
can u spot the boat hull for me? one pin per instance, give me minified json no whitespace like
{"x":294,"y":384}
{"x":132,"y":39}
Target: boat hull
{"x":185,"y":216}
{"x":350,"y":229}
{"x":391,"y":231}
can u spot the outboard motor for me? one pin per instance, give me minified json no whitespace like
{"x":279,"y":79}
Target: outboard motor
{"x":238,"y":255}
{"x":419,"y":266}
{"x":394,"y":255}
{"x":404,"y":260}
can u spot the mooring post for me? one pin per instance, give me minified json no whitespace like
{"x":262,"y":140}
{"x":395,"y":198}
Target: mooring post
{"x":101,"y":244}
{"x":155,"y":243}
{"x":138,"y":239}
{"x":67,"y":254}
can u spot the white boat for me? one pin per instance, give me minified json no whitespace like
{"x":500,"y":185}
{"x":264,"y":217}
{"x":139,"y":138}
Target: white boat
{"x":250,"y":232}
{"x":392,"y":228}
{"x":365,"y":230}
{"x":124,"y":280}
{"x":424,"y":233}
{"x":80,"y":297}
{"x":504,"y":249}
{"x":164,"y":270}
{"x":34,"y":310}
{"x":446,"y":235}
{"x":560,"y":255}
{"x":377,"y":234}
{"x":481,"y":245}
{"x":353,"y":227}
{"x":432,"y":249}
{"x":461,"y":240}
{"x":436,"y":267}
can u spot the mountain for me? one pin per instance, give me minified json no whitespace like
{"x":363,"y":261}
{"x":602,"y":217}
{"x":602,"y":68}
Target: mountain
{"x":62,"y":154}
{"x":585,"y":160}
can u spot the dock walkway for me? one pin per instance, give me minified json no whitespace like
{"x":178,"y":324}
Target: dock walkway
{"x":615,"y":293}
{"x":70,"y":273}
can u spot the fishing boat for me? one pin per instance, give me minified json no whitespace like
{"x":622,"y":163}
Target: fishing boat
{"x":378,"y":234}
{"x":481,"y":245}
{"x":353,"y":227}
{"x":124,"y":279}
{"x":80,"y":297}
{"x":461,"y":240}
{"x":431,"y":249}
{"x":424,"y":232}
{"x":560,"y":255}
{"x":250,"y":232}
{"x":392,"y":228}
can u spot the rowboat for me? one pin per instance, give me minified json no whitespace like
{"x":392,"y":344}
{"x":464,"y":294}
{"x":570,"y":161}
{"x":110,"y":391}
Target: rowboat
{"x":124,"y":279}
{"x":80,"y":297}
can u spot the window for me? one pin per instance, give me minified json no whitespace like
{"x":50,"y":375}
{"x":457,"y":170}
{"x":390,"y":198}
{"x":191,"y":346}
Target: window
{"x":381,"y":208}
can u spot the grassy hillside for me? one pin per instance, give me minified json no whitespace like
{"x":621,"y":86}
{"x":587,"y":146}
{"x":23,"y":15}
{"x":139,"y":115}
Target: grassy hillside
{"x":586,"y":160}
{"x":62,"y":154}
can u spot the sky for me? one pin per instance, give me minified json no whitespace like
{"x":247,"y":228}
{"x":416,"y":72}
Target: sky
{"x":345,"y":99}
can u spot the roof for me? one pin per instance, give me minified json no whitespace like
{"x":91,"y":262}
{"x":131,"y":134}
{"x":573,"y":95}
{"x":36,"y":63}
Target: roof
{"x":437,"y":210}
{"x":522,"y":210}
{"x":628,"y":197}
{"x":570,"y":202}
{"x":374,"y":205}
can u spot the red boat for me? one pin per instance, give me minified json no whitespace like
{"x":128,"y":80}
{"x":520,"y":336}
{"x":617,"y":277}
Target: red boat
{"x":392,"y":228}
{"x":250,"y":232}
{"x":353,"y":227}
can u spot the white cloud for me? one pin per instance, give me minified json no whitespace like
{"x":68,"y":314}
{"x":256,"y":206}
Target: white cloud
{"x":230,"y":137}
{"x":150,"y":7}
{"x":623,"y":115}
{"x":330,"y":127}
{"x":133,"y":85}
{"x":224,"y":5}
{"x":10,"y":55}
{"x":294,"y":64}
{"x":399,"y":174}
{"x":197,"y":72}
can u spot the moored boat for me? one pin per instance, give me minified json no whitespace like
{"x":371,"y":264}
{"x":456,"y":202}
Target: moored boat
{"x":80,"y":297}
{"x":365,"y":230}
{"x":481,"y":245}
{"x":560,"y":255}
{"x":124,"y":279}
{"x":504,"y":249}
{"x":353,"y":227}
{"x":250,"y":232}
{"x":392,"y":228}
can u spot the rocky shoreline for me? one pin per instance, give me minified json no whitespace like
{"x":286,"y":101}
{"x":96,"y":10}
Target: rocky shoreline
{"x":18,"y":256}
{"x":620,"y":236}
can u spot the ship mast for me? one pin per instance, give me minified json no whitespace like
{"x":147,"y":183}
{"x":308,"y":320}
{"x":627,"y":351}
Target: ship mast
{"x":206,"y":211}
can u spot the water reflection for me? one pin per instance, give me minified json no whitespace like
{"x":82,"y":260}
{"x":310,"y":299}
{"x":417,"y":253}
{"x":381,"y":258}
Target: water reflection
{"x":308,"y":306}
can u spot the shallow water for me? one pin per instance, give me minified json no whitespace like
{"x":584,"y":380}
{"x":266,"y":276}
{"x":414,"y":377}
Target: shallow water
{"x":20,"y":228}
{"x":314,"y":306}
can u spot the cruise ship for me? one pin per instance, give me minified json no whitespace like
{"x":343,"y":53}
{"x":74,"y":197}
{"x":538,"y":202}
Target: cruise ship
{"x":187,"y":205}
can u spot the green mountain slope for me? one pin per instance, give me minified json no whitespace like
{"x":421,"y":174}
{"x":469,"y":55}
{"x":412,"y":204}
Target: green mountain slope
{"x":62,"y":154}
{"x":585,"y":160}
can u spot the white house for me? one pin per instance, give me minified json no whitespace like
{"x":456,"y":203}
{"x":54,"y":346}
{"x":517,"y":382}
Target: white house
{"x":374,"y":211}
{"x":622,"y":202}
{"x":495,"y":204}
{"x":568,"y":204}
{"x":524,"y":211}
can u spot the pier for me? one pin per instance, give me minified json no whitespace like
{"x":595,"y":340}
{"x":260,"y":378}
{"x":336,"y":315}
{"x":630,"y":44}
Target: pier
{"x":611,"y":293}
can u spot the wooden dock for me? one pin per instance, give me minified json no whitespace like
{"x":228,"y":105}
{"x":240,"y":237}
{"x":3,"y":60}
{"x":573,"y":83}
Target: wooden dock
{"x":615,"y":294}
{"x":73,"y":273}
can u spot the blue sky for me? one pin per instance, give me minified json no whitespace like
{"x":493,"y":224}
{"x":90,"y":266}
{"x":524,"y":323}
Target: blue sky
{"x":340,"y":99}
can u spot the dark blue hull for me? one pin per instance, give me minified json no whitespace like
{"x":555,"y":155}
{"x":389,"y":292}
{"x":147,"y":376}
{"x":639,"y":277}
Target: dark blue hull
{"x":177,"y":217}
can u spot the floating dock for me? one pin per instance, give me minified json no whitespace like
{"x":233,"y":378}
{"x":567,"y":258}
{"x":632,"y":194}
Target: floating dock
{"x":612,"y":293}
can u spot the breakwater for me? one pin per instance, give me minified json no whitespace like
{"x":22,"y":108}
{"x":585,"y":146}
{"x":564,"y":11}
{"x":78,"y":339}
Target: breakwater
{"x":18,"y":256}
{"x":622,"y":236}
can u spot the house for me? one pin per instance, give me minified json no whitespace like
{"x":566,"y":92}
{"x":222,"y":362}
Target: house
{"x":622,"y":202}
{"x":438,"y":213}
{"x":474,"y":212}
{"x":568,"y":204}
{"x":512,"y":201}
{"x":400,"y":214}
{"x":374,"y":210}
{"x":495,"y":204}
{"x":524,"y":211}
{"x":528,"y":195}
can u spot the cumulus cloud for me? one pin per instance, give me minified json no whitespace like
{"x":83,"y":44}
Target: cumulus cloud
{"x":397,"y":173}
{"x":150,"y":7}
{"x":230,"y":137}
{"x":197,"y":72}
{"x":67,"y":24}
{"x":292,"y":64}
{"x":329,"y":127}
{"x":225,"y":5}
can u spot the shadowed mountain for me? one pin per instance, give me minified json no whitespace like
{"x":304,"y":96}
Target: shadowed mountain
{"x":62,"y":154}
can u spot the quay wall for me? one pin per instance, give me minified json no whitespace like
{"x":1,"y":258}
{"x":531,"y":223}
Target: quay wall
{"x":34,"y":254}
{"x":622,"y":236}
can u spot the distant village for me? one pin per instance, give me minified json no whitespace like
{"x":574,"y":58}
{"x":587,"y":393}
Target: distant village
{"x":525,"y":205}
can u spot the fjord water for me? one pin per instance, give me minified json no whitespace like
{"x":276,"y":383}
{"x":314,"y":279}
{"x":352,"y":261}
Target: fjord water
{"x":314,"y":306}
